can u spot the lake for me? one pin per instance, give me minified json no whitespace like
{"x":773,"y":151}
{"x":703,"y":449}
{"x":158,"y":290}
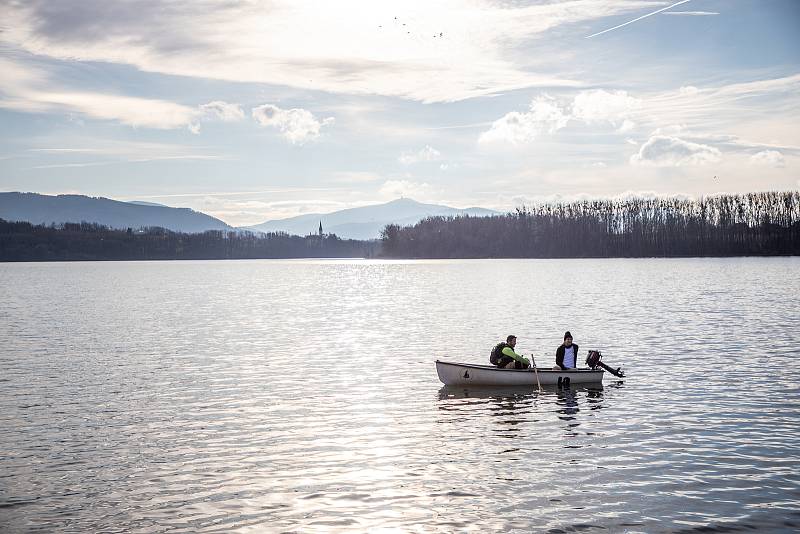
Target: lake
{"x":301,"y":396}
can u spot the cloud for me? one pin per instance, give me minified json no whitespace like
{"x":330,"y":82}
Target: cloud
{"x":688,"y":90}
{"x":545,"y":116}
{"x":690,"y":13}
{"x":30,"y":89}
{"x":428,"y":153}
{"x":558,"y":198}
{"x":354,"y":177}
{"x":139,"y":160}
{"x":626,"y":126}
{"x":249,"y":212}
{"x":726,"y":142}
{"x":132,"y":111}
{"x":297,"y":125}
{"x":406,"y":188}
{"x":88,"y":152}
{"x":223,"y":110}
{"x":311,"y":45}
{"x":770,"y":158}
{"x":599,"y":105}
{"x":668,"y":151}
{"x":133,"y":150}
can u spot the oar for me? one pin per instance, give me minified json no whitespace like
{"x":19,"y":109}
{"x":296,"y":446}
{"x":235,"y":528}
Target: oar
{"x":536,"y":370}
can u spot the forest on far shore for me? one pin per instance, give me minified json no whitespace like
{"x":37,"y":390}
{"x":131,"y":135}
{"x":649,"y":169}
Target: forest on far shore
{"x":753,"y":224}
{"x":22,"y":241}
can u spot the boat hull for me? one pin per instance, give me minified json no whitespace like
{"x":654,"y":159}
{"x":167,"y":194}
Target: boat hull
{"x":465,"y":374}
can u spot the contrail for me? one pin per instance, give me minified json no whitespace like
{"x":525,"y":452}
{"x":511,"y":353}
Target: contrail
{"x":640,"y":18}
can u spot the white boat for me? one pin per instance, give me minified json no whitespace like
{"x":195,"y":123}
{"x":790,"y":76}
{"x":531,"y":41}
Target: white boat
{"x":467,"y":374}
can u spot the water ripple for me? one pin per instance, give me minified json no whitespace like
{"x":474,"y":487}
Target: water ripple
{"x":300,"y":396}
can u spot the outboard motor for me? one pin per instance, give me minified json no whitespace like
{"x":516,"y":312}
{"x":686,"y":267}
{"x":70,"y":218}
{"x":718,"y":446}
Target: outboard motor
{"x":593,"y":361}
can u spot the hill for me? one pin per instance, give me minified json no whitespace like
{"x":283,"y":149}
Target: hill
{"x":365,"y":222}
{"x":46,"y":209}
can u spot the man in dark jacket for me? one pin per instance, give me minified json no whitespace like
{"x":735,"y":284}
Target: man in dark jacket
{"x":567,"y":353}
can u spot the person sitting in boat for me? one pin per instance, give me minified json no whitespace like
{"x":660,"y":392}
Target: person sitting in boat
{"x":567,"y":353}
{"x":503,"y":355}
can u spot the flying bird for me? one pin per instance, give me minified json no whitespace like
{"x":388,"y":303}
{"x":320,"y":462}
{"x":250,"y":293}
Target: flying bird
{"x":637,"y":19}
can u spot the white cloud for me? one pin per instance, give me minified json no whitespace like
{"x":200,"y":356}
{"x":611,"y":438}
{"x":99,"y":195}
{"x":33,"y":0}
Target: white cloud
{"x":136,"y":151}
{"x":600,"y":105}
{"x":770,"y":158}
{"x":198,"y":157}
{"x":671,"y":130}
{"x":132,"y":111}
{"x":690,"y":13}
{"x":688,"y":90}
{"x":355,"y":177}
{"x":32,"y":90}
{"x":428,"y":153}
{"x":667,"y":151}
{"x":223,"y":111}
{"x":90,"y":152}
{"x":558,"y":198}
{"x":387,"y":49}
{"x":407,"y":188}
{"x":297,"y":125}
{"x":545,"y":116}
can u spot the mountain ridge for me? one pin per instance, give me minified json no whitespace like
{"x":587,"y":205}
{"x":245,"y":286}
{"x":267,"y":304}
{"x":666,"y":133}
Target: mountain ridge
{"x":36,"y":208}
{"x":365,"y":222}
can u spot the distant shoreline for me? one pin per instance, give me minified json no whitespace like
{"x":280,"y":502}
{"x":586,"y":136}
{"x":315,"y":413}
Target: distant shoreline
{"x":21,"y":241}
{"x":752,"y":225}
{"x":398,"y":259}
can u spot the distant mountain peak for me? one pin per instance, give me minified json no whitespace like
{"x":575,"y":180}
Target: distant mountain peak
{"x":403,"y":200}
{"x":365,"y":222}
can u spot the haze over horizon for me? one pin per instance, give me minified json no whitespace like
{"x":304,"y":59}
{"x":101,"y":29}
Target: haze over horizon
{"x":250,"y":112}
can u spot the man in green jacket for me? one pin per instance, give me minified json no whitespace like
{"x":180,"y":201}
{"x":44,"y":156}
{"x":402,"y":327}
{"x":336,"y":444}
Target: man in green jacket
{"x":503,"y":355}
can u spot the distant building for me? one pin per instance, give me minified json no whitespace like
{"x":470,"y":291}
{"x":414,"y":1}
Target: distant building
{"x":320,"y":228}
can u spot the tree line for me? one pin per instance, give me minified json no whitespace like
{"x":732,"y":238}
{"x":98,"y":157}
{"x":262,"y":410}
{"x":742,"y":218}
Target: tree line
{"x":759,"y":224}
{"x":754,"y":224}
{"x":22,"y":241}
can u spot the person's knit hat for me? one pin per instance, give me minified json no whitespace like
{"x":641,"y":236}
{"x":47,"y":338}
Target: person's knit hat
{"x":567,"y":335}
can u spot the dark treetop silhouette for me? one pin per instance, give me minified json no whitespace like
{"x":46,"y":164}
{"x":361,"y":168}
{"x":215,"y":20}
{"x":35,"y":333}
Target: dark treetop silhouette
{"x":727,"y":225}
{"x":755,"y":224}
{"x":20,"y":241}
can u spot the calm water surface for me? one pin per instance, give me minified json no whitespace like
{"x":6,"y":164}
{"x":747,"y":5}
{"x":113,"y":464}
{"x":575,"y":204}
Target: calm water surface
{"x":301,"y":396}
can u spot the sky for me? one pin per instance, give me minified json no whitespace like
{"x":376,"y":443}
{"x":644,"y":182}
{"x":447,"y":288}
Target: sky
{"x":252,"y":110}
